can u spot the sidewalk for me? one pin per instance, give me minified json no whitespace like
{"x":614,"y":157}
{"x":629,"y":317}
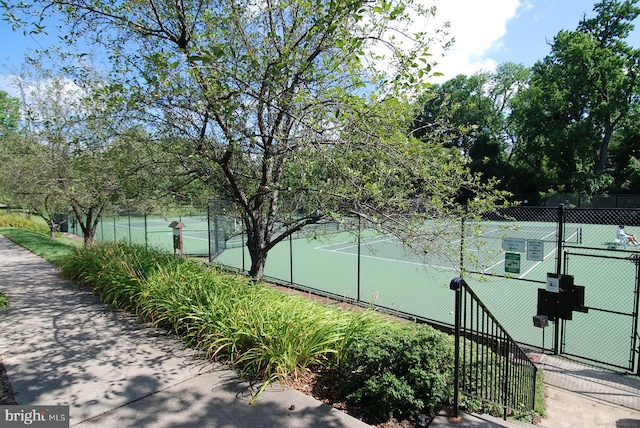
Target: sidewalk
{"x":61,"y":346}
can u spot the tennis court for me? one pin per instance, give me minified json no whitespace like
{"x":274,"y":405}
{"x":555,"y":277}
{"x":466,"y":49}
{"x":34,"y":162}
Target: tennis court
{"x":505,"y":263}
{"x":382,"y":271}
{"x":155,"y":232}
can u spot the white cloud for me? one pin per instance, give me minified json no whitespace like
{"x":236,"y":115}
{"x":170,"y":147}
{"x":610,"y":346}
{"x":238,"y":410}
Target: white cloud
{"x":8,"y":84}
{"x":477,"y":27}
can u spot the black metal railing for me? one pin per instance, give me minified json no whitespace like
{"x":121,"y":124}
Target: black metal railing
{"x":489,"y":364}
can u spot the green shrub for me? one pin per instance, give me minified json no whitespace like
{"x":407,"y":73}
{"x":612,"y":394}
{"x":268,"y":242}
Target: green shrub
{"x":13,"y":220}
{"x":4,"y":301}
{"x":268,"y":334}
{"x":116,"y":271}
{"x":390,"y":368}
{"x":400,"y":371}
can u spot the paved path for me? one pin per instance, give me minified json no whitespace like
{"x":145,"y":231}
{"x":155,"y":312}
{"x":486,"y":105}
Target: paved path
{"x":61,"y":346}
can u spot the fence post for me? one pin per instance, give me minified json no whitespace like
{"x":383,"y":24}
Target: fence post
{"x":209,"y":229}
{"x":291,"y":258}
{"x":560,"y":238}
{"x":636,"y":307}
{"x":243,"y":245}
{"x":556,"y":324}
{"x":358,"y":263}
{"x":146,"y":231}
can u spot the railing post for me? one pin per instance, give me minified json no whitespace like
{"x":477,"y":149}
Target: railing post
{"x":505,"y":384}
{"x":456,"y":285}
{"x":462,"y":245}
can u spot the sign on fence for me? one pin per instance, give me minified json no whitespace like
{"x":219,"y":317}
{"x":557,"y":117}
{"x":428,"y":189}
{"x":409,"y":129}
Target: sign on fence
{"x":535,"y":250}
{"x":513,"y":245}
{"x":512,"y":263}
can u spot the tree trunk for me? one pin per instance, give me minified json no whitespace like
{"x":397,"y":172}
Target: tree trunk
{"x":257,"y":244}
{"x":258,"y":253}
{"x":258,"y":262}
{"x":89,"y":235}
{"x":601,"y":161}
{"x":52,"y":228}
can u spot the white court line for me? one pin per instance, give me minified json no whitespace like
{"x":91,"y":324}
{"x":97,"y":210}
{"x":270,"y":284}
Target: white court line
{"x":190,"y":237}
{"x":128,"y":227}
{"x":537,"y":264}
{"x":351,"y":245}
{"x":545,"y":257}
{"x":339,"y":251}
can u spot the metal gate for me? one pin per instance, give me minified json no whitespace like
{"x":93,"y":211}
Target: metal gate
{"x":608,"y":332}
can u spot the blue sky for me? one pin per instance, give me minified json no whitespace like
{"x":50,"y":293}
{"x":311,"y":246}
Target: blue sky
{"x":491,"y":32}
{"x":487,"y":33}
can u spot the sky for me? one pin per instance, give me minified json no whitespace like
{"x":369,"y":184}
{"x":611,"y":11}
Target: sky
{"x":486,"y":32}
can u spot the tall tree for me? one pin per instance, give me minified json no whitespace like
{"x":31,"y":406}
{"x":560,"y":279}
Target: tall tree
{"x":474,"y":116}
{"x":579,"y":97}
{"x":259,"y":89}
{"x":464,"y":110}
{"x":9,"y":124}
{"x":73,"y":153}
{"x":9,"y":114}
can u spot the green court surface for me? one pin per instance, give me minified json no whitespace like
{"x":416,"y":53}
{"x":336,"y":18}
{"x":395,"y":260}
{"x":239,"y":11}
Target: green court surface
{"x":384,"y":273}
{"x":392,"y":278}
{"x":155,"y":232}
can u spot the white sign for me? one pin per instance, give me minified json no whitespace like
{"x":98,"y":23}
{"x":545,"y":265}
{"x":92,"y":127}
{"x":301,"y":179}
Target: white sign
{"x":553,"y":284}
{"x":535,"y":250}
{"x":513,"y":245}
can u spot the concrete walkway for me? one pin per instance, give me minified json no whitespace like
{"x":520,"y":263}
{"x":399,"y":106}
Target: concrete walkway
{"x":61,"y":346}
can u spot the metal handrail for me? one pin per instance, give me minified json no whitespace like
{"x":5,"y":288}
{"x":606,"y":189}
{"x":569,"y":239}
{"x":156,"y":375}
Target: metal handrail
{"x":489,"y":364}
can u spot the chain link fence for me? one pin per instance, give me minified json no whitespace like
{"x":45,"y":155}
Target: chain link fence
{"x":152,"y":228}
{"x":505,"y":257}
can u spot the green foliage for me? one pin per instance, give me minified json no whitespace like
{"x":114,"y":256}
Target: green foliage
{"x":116,"y":271}
{"x":9,"y":114}
{"x":400,"y":371}
{"x":14,"y":220}
{"x":4,"y":301}
{"x":268,"y":334}
{"x":579,"y":101}
{"x":389,"y":368}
